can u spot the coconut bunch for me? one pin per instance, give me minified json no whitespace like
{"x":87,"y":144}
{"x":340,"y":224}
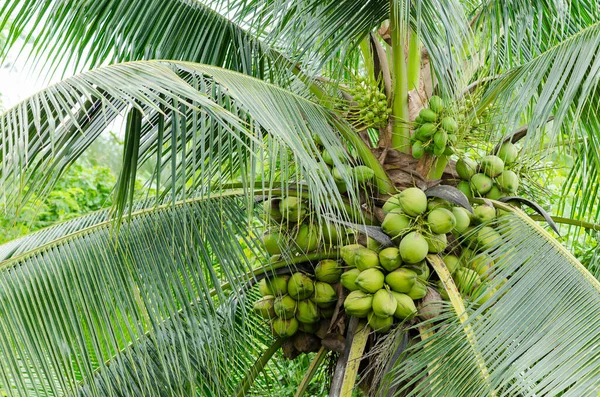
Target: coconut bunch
{"x":300,"y":307}
{"x":491,"y":177}
{"x":373,"y":109}
{"x":361,"y":173}
{"x":472,"y":268}
{"x":435,"y":130}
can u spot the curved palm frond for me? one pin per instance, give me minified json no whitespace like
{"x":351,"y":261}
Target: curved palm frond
{"x":536,"y":335}
{"x":201,"y":126}
{"x":136,"y":312}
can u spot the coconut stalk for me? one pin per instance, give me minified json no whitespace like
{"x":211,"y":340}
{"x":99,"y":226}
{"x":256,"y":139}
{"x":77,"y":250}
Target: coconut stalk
{"x":312,"y":370}
{"x":414,"y":61}
{"x":400,"y":129}
{"x":258,"y":366}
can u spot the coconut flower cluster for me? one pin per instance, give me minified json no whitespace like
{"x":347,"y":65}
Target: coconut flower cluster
{"x":373,"y":109}
{"x":435,"y":130}
{"x":491,"y":177}
{"x":300,"y":306}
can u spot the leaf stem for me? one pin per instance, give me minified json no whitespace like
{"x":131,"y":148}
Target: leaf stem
{"x":258,"y":366}
{"x":400,"y":130}
{"x":414,"y":61}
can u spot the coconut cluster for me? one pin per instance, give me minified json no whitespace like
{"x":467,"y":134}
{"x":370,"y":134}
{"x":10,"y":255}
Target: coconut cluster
{"x":361,"y":173}
{"x":470,"y":264}
{"x":373,"y":109}
{"x":300,"y":306}
{"x":491,"y":177}
{"x":435,"y":130}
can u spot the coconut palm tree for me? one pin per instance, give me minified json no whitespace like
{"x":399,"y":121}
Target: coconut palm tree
{"x":237,"y":102}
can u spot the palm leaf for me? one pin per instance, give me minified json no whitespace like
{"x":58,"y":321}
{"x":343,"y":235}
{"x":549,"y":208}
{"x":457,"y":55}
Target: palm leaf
{"x":536,"y":335}
{"x":136,"y":312}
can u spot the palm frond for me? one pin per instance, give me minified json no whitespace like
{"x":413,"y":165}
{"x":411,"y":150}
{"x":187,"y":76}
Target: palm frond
{"x":201,"y":127}
{"x":537,"y":334}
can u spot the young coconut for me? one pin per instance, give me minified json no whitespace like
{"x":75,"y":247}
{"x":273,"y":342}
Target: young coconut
{"x":307,"y":238}
{"x":362,"y":173}
{"x":348,"y":279}
{"x":396,"y":224}
{"x":484,"y":213}
{"x":488,"y":238}
{"x":285,"y":328}
{"x":413,"y":201}
{"x":348,"y":253}
{"x":418,"y":291}
{"x":324,"y":295}
{"x":265,"y":307}
{"x":492,"y":165}
{"x":300,"y":286}
{"x":391,"y":204}
{"x":284,"y":306}
{"x":329,"y":233}
{"x":292,"y":209}
{"x":366,"y":259}
{"x":452,"y":262}
{"x":273,"y":242}
{"x":466,"y":168}
{"x":308,"y":328}
{"x":358,"y":304}
{"x":264,"y":288}
{"x":401,"y":280}
{"x":307,"y":312}
{"x":481,"y":184}
{"x":441,"y":221}
{"x":508,"y":181}
{"x":482,"y":264}
{"x":508,"y":152}
{"x":381,"y":325}
{"x":463,"y":219}
{"x":405,"y":307}
{"x":436,"y":103}
{"x":422,"y":270}
{"x":278,"y":285}
{"x":436,"y":243}
{"x":328,"y":270}
{"x":495,"y":193}
{"x":467,"y":280}
{"x":384,"y":303}
{"x":465,"y":187}
{"x":370,"y":280}
{"x":389,"y":259}
{"x":413,"y":248}
{"x":271,"y":210}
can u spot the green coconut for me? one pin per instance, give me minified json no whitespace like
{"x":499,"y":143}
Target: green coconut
{"x":307,"y":312}
{"x":484,"y":213}
{"x":362,"y":173}
{"x":264,"y":288}
{"x":452,"y":262}
{"x":265,"y":307}
{"x":440,"y":139}
{"x":338,"y":152}
{"x":492,"y":165}
{"x":384,"y":303}
{"x":482,"y":263}
{"x":380,"y":325}
{"x":365,"y":259}
{"x":425,"y":131}
{"x":413,"y":248}
{"x":439,"y":286}
{"x":271,"y":210}
{"x":285,"y":328}
{"x":348,"y":279}
{"x":482,"y":294}
{"x":358,"y":304}
{"x":481,"y":184}
{"x":436,"y":243}
{"x":413,"y":201}
{"x":508,"y":153}
{"x":508,"y":181}
{"x":324,"y":295}
{"x":329,"y":233}
{"x":417,"y":149}
{"x":389,"y":259}
{"x":441,"y":221}
{"x":463,"y":219}
{"x":278,"y":285}
{"x":422,"y":270}
{"x":339,"y":172}
{"x":405,"y":307}
{"x":273,"y":242}
{"x":436,"y":104}
{"x":449,"y":124}
{"x":300,"y":286}
{"x":467,"y":280}
{"x":328,"y":270}
{"x":466,"y":168}
{"x":373,"y":244}
{"x":307,"y":237}
{"x":292,"y":209}
{"x":396,"y":224}
{"x":428,"y":115}
{"x":285,"y":306}
{"x":348,"y":253}
{"x":418,"y":291}
{"x":488,"y":238}
{"x":437,"y":202}
{"x":465,"y":187}
{"x":370,"y":280}
{"x":401,"y":280}
{"x":392,"y":203}
{"x":495,"y":193}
